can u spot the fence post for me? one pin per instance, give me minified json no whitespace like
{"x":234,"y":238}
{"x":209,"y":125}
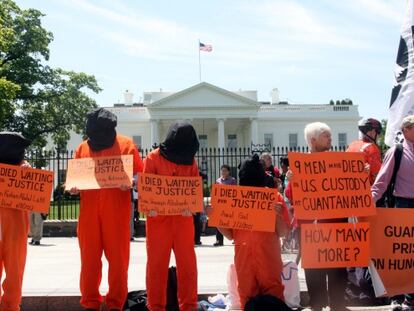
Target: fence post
{"x":58,"y":184}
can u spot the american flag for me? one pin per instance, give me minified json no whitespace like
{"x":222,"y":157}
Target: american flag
{"x":206,"y":47}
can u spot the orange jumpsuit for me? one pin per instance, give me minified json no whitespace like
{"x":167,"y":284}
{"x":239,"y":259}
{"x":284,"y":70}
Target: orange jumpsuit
{"x":13,"y":249}
{"x":258,"y":261}
{"x":166,"y":233}
{"x":372,"y":156}
{"x":104,"y":227}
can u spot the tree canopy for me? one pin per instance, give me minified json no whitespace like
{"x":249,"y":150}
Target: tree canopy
{"x":35,"y":99}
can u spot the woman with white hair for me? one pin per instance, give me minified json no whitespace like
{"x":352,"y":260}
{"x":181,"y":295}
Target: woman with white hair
{"x":325,"y":286}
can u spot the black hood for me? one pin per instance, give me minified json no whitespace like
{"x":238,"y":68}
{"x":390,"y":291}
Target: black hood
{"x":12,"y":147}
{"x":252,"y":173}
{"x":181,"y":144}
{"x":100,"y":129}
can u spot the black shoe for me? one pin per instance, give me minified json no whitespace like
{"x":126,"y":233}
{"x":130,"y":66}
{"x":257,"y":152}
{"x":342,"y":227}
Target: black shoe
{"x":218,"y":244}
{"x":132,"y":239}
{"x":198,"y":243}
{"x":36,"y":243}
{"x":31,"y":242}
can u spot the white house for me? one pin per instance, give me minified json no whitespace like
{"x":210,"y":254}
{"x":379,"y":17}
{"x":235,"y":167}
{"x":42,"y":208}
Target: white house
{"x":224,"y":118}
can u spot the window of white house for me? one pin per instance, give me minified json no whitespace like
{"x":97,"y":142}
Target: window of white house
{"x":232,"y":141}
{"x":268,"y":140}
{"x":342,"y":140}
{"x":293,"y":140}
{"x":203,"y":141}
{"x":137,"y":140}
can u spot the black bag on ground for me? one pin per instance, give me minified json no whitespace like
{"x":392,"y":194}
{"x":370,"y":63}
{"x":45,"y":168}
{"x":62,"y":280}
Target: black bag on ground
{"x":266,"y":302}
{"x":136,"y":301}
{"x":172,"y":299}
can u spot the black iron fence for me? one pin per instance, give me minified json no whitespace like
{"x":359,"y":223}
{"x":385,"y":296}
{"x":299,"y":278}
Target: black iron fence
{"x":64,"y":206}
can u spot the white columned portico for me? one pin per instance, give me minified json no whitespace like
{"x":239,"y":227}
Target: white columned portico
{"x":220,"y":133}
{"x":254,"y":131}
{"x":154,"y":132}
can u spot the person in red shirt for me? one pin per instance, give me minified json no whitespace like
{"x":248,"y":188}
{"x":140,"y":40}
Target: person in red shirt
{"x":174,"y":157}
{"x":368,"y":144}
{"x":14,"y":228}
{"x":257,"y":257}
{"x":104,"y":217}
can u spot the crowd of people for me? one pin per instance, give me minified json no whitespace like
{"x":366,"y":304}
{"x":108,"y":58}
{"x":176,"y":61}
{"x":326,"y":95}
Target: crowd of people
{"x":104,"y":224}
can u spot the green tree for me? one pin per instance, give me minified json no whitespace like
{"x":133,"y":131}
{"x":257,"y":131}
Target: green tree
{"x":35,"y":99}
{"x":331,"y":102}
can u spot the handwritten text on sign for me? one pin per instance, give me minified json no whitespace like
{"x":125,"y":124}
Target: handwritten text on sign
{"x":25,"y":188}
{"x":330,"y":185}
{"x":334,"y":245}
{"x":101,"y":172}
{"x":392,"y":249}
{"x":169,"y":195}
{"x":246,"y":208}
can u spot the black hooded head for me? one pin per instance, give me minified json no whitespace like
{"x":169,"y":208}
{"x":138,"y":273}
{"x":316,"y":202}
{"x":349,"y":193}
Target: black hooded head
{"x":252,"y":173}
{"x":100,"y":129}
{"x":12,"y":147}
{"x":181,"y":144}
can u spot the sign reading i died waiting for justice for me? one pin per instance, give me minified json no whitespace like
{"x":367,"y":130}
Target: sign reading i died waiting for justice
{"x":25,"y":188}
{"x":244,"y":208}
{"x":169,"y":195}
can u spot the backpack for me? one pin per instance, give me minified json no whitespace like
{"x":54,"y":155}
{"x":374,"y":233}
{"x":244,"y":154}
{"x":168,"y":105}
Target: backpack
{"x":388,"y":198}
{"x":136,"y":301}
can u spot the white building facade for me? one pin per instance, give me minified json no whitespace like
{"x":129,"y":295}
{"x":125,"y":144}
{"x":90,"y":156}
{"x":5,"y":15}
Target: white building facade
{"x":228,"y":119}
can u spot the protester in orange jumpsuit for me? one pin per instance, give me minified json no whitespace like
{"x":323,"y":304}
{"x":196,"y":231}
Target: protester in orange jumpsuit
{"x":104,"y":217}
{"x":14,"y":228}
{"x":257,"y":257}
{"x":174,"y":157}
{"x":370,"y":129}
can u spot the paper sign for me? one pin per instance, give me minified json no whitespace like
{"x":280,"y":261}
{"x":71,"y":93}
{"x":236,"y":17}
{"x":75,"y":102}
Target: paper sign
{"x":335,"y":245}
{"x":392,"y":249}
{"x":330,"y":185}
{"x":101,"y":172}
{"x":244,"y":208}
{"x":169,"y":195}
{"x":25,"y":188}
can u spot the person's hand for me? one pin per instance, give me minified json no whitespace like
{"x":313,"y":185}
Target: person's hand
{"x":152,"y":213}
{"x":124,"y":187}
{"x":289,"y":175}
{"x":209,"y":210}
{"x":186,"y":213}
{"x":25,"y":165}
{"x":278,"y":208}
{"x":367,"y":168}
{"x":74,"y":191}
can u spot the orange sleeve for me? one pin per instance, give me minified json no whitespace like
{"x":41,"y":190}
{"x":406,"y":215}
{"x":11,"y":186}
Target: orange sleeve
{"x":374,"y":159}
{"x":194,"y":169}
{"x":138,"y":164}
{"x":149,"y":165}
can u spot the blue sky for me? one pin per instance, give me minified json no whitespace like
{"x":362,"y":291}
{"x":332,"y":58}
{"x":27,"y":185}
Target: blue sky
{"x":311,"y":50}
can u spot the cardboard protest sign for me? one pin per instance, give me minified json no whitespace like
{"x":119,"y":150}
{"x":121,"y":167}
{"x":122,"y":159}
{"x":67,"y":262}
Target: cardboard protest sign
{"x":330,"y":185}
{"x":245,"y":208}
{"x":169,"y":195}
{"x":392,"y":249}
{"x":25,"y":188}
{"x":335,"y":245}
{"x":101,"y":172}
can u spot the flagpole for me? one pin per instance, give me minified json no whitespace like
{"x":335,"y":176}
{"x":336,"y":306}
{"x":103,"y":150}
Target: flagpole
{"x":199,"y":61}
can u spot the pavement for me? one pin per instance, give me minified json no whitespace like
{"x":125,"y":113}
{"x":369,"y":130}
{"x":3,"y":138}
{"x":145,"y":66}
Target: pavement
{"x":51,"y":280}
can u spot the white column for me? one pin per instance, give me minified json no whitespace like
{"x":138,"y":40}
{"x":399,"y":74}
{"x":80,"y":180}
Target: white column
{"x":220,"y":131}
{"x":254,"y":131}
{"x":154,"y":131}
